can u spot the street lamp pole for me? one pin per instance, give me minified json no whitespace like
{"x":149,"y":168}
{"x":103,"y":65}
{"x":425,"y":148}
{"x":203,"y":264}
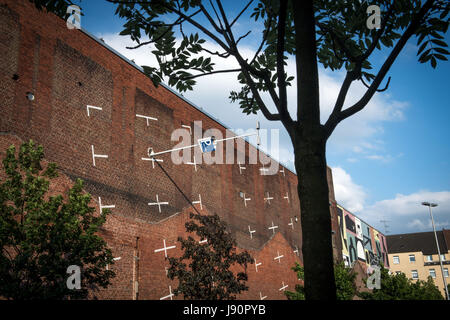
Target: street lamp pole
{"x":430,"y":205}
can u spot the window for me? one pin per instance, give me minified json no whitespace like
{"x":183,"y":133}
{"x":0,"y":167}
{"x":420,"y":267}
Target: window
{"x":415,"y":275}
{"x":412,"y":258}
{"x":429,"y":258}
{"x":443,"y":257}
{"x":433,"y":273}
{"x":446,"y":272}
{"x":396,"y":260}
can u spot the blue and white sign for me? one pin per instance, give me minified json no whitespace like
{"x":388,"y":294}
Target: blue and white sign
{"x":207,"y":144}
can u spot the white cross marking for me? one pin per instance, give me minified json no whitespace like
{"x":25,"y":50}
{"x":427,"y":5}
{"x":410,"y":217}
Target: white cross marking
{"x":257,"y":264}
{"x":279,"y":257}
{"x":199,"y":201}
{"x":187,"y":127}
{"x":104,"y":207}
{"x":263,"y":170}
{"x":203,"y":241}
{"x":268,"y":198}
{"x":92,"y":107}
{"x":251,"y":231}
{"x":296,"y":250}
{"x":168,"y":296}
{"x":273,"y":228}
{"x":245,"y":200}
{"x":283,"y":287}
{"x":96,"y":155}
{"x":284,"y":175}
{"x":147,"y":118}
{"x":261,"y":297}
{"x":165,"y":248}
{"x":286,"y":197}
{"x":194,"y":164}
{"x":291,"y":224}
{"x":241,"y":168}
{"x":157,"y":203}
{"x":153,"y":160}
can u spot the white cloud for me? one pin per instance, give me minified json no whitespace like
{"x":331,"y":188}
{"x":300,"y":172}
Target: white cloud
{"x":406,"y":211}
{"x":419,"y":225}
{"x":348,"y":194}
{"x":357,"y":134}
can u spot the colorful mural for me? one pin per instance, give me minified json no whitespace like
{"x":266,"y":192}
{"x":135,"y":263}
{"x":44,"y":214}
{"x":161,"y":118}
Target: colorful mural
{"x":361,"y":241}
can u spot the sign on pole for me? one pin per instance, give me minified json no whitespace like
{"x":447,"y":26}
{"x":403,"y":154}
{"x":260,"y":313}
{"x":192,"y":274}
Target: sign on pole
{"x":207,"y":144}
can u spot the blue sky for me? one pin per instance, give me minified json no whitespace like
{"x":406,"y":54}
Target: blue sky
{"x":385,"y":160}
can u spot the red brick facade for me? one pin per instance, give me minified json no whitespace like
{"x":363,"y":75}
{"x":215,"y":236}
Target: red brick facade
{"x":67,"y":70}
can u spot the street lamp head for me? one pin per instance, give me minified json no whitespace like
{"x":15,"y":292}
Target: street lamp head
{"x":428,"y":204}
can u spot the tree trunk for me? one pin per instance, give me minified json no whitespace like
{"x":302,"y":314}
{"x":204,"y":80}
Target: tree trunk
{"x":310,"y":163}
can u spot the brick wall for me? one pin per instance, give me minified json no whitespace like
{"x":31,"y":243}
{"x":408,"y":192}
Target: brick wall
{"x":68,"y":70}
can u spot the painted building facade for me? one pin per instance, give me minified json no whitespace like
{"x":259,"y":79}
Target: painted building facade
{"x":360,"y":241}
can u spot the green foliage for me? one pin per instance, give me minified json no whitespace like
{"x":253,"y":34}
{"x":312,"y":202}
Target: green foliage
{"x":41,"y":235}
{"x":203,"y":271}
{"x":342,"y":36}
{"x":399,"y":287}
{"x":345,"y":283}
{"x":59,"y":7}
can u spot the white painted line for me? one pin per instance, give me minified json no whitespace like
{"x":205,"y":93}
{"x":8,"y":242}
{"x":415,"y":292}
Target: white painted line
{"x":251,"y":231}
{"x":257,"y":264}
{"x":147,"y":118}
{"x":241,"y":168}
{"x":187,"y":127}
{"x":273,"y":228}
{"x":286,"y":197}
{"x":92,"y":107}
{"x":157,"y":203}
{"x":278,"y":257}
{"x":199,"y":201}
{"x":245,"y":200}
{"x":104,"y":207}
{"x":282,"y":170}
{"x":152,"y":160}
{"x":165,"y":248}
{"x":193,"y":163}
{"x":96,"y":155}
{"x":291,"y":224}
{"x":261,"y":297}
{"x":168,"y":296}
{"x":283,"y":287}
{"x":268,"y":198}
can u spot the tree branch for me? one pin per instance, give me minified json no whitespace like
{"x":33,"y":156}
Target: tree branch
{"x":243,"y":10}
{"x":334,"y":120}
{"x":209,"y":73}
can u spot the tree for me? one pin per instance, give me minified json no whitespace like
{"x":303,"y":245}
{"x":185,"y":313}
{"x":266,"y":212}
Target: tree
{"x":41,"y":235}
{"x":336,"y":34}
{"x":399,"y":287}
{"x":208,"y":275}
{"x":345,"y":283}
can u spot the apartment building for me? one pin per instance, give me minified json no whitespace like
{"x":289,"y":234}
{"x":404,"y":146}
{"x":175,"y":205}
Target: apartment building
{"x":416,"y":255}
